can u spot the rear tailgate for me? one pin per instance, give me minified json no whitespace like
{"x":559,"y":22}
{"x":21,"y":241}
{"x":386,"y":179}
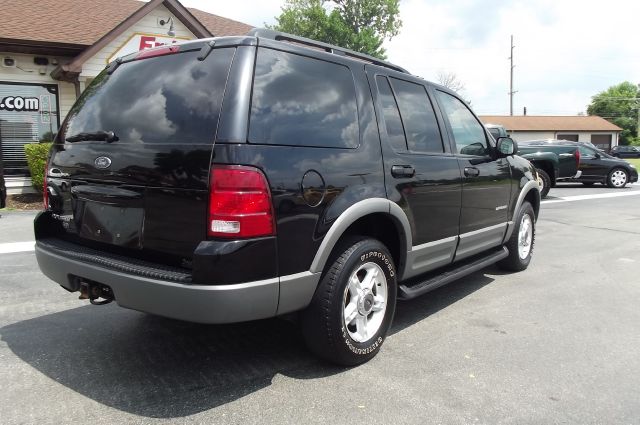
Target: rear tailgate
{"x":144,"y":190}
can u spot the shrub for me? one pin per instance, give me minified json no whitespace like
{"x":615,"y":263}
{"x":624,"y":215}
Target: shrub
{"x":37,"y":154}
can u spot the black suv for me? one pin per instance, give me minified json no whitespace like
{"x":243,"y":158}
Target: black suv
{"x":240,"y":178}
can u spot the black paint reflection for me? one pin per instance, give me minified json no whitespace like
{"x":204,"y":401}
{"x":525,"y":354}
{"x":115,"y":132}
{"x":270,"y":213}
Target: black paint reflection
{"x":156,"y":100}
{"x":301,"y":101}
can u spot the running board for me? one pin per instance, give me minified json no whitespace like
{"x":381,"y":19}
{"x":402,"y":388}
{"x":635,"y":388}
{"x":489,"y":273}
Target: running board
{"x":422,"y":284}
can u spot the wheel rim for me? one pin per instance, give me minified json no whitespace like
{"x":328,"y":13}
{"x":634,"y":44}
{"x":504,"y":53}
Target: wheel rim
{"x":618,"y":178}
{"x":365,"y":302}
{"x":540,"y":182}
{"x":525,"y":236}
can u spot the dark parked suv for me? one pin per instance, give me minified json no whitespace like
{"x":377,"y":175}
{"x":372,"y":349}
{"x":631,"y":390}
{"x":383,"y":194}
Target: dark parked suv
{"x":240,"y":178}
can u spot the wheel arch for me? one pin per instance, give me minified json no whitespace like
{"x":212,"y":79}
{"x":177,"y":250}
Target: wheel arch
{"x":547,"y":167}
{"x":378,"y":218}
{"x":530,"y":192}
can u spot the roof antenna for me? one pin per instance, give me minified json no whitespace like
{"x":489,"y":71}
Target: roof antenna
{"x":171,"y":32}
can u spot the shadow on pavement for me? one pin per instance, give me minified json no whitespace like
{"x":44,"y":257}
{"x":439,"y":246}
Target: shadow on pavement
{"x":161,"y":368}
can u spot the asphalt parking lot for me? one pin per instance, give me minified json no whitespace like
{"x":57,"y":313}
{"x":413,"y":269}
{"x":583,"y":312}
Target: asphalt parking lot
{"x":557,"y":343}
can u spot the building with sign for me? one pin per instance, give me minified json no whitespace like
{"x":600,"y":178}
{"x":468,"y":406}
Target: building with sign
{"x":50,"y":50}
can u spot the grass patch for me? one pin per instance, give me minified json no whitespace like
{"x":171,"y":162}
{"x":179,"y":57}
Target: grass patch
{"x":634,"y":161}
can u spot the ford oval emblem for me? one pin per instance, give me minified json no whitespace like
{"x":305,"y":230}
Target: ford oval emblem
{"x":102,"y":162}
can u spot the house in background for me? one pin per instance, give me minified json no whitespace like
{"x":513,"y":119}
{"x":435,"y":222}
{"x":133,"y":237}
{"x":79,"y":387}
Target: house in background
{"x":51,"y":50}
{"x":592,"y":129}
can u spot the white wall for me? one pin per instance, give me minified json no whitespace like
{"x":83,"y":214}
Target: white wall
{"x":147,"y":25}
{"x":521,"y":136}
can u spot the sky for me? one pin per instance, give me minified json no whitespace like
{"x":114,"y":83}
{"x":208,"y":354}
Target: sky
{"x":565,"y":50}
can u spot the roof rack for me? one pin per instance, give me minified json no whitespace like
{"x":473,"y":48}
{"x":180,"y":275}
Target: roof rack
{"x":329,"y":48}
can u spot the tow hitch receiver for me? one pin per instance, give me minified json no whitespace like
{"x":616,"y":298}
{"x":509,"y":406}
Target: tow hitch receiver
{"x":96,"y":293}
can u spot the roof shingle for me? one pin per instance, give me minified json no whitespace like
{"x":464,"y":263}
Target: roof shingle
{"x":550,"y":123}
{"x":84,"y":22}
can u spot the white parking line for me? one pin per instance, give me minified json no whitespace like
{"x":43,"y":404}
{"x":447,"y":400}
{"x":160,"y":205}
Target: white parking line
{"x":11,"y":247}
{"x":586,"y":197}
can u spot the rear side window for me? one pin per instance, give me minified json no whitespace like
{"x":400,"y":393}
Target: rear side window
{"x":300,"y":101}
{"x":391,"y":115}
{"x":418,"y":117}
{"x":171,"y":99}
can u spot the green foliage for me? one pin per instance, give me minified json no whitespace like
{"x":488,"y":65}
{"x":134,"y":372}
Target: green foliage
{"x":360,"y":25}
{"x":48,"y":136}
{"x":619,"y":104}
{"x":37,"y":154}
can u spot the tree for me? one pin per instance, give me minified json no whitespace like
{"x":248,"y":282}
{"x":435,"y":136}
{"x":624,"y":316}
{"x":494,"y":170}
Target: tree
{"x":360,"y":25}
{"x":619,"y":104}
{"x":450,"y":80}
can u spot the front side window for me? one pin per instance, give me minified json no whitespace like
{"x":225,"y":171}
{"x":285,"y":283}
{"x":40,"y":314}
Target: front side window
{"x":468,"y":133}
{"x":300,"y":101}
{"x":418,"y":117}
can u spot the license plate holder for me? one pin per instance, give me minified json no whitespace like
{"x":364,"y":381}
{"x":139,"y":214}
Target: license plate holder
{"x":112,"y":224}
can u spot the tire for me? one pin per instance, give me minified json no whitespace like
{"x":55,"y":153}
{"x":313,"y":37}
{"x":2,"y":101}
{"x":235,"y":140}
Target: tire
{"x":359,"y":281}
{"x":617,"y":178}
{"x":520,"y":255}
{"x":588,"y":184}
{"x":544,"y":181}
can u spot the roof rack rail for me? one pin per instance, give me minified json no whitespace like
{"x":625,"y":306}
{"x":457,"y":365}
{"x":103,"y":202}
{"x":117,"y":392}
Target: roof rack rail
{"x":329,"y":48}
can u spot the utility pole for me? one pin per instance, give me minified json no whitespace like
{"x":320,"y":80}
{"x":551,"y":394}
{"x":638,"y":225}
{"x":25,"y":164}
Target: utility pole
{"x":511,"y":92}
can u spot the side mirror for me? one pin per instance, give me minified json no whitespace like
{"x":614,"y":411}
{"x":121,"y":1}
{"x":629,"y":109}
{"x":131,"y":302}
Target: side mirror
{"x":506,"y":146}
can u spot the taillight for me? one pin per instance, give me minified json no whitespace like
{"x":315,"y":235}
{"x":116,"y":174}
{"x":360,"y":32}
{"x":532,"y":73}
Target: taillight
{"x":239,"y":203}
{"x":157,"y":51}
{"x":577,"y":155}
{"x":45,"y":187}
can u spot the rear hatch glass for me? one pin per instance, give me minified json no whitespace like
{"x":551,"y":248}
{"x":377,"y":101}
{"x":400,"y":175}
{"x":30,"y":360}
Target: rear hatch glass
{"x":130,"y":165}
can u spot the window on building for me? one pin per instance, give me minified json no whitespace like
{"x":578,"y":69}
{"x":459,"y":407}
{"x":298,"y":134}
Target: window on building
{"x":28,"y":114}
{"x":601,"y":141}
{"x":302,"y":101}
{"x":571,"y":137}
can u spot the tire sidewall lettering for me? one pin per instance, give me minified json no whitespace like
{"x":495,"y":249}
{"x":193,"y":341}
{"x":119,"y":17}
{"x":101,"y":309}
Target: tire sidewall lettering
{"x":361,"y":351}
{"x":388,"y":264}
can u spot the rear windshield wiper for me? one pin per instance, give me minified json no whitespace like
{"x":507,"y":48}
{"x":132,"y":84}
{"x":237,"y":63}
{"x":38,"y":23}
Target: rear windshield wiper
{"x":107,"y":136}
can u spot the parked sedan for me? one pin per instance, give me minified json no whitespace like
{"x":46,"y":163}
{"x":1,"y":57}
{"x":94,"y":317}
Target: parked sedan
{"x":625,"y":152}
{"x":599,"y":167}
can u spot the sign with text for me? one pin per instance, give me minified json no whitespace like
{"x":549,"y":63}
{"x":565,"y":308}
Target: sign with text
{"x":139,"y":41}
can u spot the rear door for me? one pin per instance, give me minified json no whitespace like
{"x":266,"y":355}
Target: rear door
{"x":486,"y":187}
{"x":421,"y":174}
{"x":144,"y":190}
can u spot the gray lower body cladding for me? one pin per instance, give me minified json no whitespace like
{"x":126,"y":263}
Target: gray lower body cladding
{"x":194,"y":303}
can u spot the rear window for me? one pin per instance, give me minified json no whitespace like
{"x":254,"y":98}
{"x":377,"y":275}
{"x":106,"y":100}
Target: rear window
{"x":300,"y":101}
{"x":173,"y":99}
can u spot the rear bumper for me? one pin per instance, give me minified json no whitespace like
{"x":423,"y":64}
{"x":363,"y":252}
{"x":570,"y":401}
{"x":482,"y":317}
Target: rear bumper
{"x":194,"y":303}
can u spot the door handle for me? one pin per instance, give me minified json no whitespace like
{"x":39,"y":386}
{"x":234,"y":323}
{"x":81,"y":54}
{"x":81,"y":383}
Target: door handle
{"x":400,"y":171}
{"x":471,"y":172}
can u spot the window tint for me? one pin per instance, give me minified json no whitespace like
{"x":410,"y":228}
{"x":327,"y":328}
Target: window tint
{"x":495,"y":133}
{"x":420,"y":125}
{"x":586,"y":152}
{"x":391,"y":115}
{"x":468,"y":133}
{"x":167,"y":99}
{"x":302,"y":102}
